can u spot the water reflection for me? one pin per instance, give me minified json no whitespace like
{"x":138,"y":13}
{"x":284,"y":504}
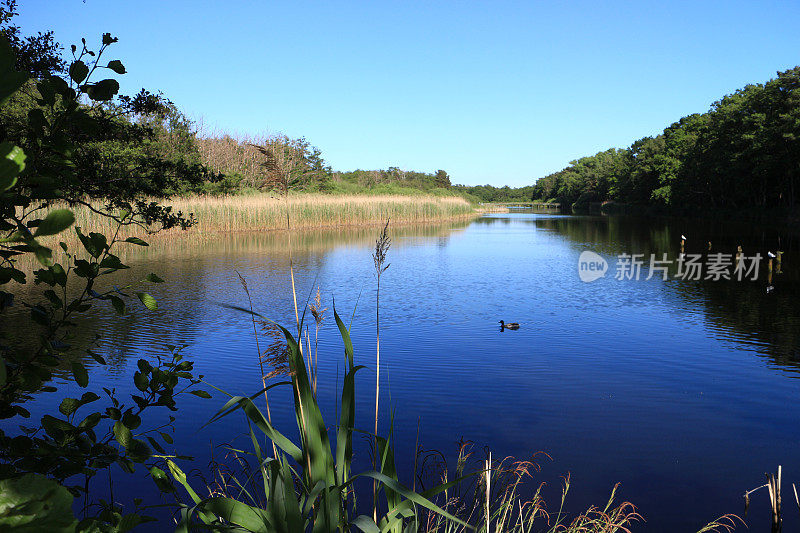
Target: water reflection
{"x":739,"y":309}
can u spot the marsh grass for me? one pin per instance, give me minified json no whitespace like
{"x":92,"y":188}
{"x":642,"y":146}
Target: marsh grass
{"x":265,"y":212}
{"x":495,"y":501}
{"x":500,"y":500}
{"x":268,"y":212}
{"x":218,"y":216}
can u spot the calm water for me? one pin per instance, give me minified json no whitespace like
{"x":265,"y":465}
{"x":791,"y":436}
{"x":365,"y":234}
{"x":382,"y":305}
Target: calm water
{"x":685,"y":392}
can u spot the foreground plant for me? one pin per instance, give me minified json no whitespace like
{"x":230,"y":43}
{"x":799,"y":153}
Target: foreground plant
{"x":382,"y":245}
{"x":306,"y":486}
{"x":44,"y":465}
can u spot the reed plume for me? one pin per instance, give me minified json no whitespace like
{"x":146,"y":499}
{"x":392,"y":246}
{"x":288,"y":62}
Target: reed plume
{"x":318,"y":312}
{"x":382,"y":245}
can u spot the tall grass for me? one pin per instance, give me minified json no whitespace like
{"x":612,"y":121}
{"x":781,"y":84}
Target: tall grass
{"x":267,"y":212}
{"x":382,"y":245}
{"x":263,"y":212}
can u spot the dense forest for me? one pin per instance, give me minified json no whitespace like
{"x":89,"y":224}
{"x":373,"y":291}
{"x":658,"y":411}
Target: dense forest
{"x":743,"y":153}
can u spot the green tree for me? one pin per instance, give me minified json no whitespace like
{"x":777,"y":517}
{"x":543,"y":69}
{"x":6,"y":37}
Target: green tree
{"x":442,"y":179}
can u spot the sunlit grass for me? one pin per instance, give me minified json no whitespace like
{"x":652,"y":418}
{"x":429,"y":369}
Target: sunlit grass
{"x":266,"y":212}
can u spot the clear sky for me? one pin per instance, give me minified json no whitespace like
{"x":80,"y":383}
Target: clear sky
{"x":493,"y":92}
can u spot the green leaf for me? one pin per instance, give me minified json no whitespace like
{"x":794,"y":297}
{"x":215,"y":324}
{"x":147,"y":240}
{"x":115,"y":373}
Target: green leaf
{"x":344,"y":437}
{"x":113,"y":262}
{"x":12,"y":162}
{"x":122,"y":434}
{"x":33,"y":503}
{"x":152,"y":278}
{"x":156,"y":446}
{"x":95,"y":243}
{"x":137,"y":241}
{"x":317,"y":458}
{"x":200,"y":394}
{"x":54,"y":299}
{"x":148,"y":301}
{"x":126,"y":465}
{"x":366,"y":524}
{"x":47,"y":91}
{"x":141,"y":381}
{"x":130,"y":521}
{"x":131,"y":420}
{"x":257,"y":417}
{"x":78,"y":71}
{"x":89,"y":397}
{"x":90,"y":421}
{"x":59,"y":275}
{"x":80,"y":374}
{"x":117,"y":66}
{"x":69,"y":406}
{"x":85,"y":269}
{"x":236,"y":512}
{"x":180,"y":477}
{"x":138,"y":451}
{"x":55,"y":222}
{"x":161,"y":479}
{"x":412,"y":497}
{"x":102,"y":90}
{"x":119,"y":305}
{"x":55,"y":427}
{"x":43,"y":254}
{"x":166,"y":436}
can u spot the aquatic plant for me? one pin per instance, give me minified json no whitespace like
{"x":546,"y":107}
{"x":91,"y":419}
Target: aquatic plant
{"x":306,"y":486}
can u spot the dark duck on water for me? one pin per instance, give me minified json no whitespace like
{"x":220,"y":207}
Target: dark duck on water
{"x":510,"y":325}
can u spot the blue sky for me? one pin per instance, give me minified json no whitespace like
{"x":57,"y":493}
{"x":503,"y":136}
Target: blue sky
{"x":493,"y":92}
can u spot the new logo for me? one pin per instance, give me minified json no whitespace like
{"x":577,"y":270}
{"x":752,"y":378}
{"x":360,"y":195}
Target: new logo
{"x":591,"y":266}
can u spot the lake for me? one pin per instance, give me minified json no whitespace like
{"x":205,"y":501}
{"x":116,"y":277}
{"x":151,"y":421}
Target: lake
{"x":684,"y":391}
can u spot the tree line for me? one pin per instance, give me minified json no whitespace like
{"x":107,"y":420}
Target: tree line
{"x":743,"y":153}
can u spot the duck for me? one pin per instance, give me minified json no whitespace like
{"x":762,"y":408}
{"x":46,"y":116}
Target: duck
{"x":510,"y":325}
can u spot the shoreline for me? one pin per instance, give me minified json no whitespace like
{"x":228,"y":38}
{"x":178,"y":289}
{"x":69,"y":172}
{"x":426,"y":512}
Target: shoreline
{"x":309,"y":227}
{"x":264,"y":213}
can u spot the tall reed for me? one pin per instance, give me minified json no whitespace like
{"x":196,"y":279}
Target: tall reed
{"x":382,"y":245}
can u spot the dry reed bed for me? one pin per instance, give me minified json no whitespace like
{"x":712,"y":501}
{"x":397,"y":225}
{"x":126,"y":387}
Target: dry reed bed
{"x":266,"y":212}
{"x":263,"y":212}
